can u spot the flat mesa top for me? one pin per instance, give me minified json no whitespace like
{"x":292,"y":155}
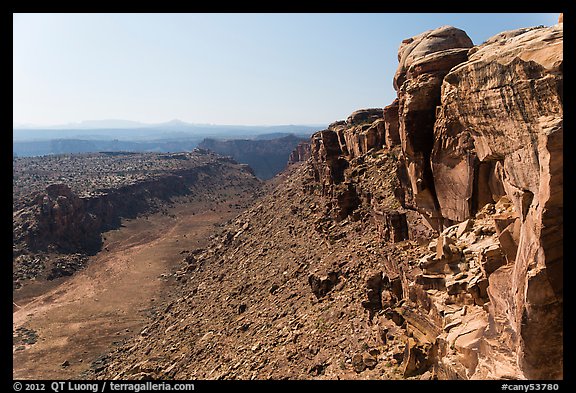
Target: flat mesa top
{"x":90,"y":173}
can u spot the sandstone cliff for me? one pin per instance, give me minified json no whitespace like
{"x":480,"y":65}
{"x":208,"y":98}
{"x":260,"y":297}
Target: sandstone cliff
{"x":300,"y":153}
{"x":479,"y":126}
{"x":499,"y":133}
{"x":419,"y":240}
{"x":266,"y":157}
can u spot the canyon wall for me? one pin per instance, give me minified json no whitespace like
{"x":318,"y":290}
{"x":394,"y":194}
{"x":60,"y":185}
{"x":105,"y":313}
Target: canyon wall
{"x":267,"y":157}
{"x":477,"y":127}
{"x":421,"y":240}
{"x":60,"y":220}
{"x":499,"y":132}
{"x":61,"y":224}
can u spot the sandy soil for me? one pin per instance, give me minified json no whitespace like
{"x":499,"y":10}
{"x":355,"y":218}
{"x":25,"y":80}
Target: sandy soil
{"x":85,"y":316}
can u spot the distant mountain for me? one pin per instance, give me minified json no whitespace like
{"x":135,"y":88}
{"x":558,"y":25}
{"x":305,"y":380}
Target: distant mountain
{"x":20,"y":126}
{"x":172,"y":136}
{"x":175,"y":123}
{"x":276,"y":135}
{"x":267,"y":157}
{"x":107,"y":124}
{"x":136,"y":131}
{"x":65,"y":146}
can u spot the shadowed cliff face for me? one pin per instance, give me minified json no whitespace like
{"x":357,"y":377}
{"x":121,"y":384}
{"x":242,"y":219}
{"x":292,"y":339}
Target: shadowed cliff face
{"x":424,"y":62}
{"x":420,"y":240}
{"x":266,"y":157}
{"x":61,"y":220}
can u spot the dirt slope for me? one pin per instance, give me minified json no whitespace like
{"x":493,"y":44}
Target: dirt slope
{"x":258,"y":303}
{"x":79,"y":319}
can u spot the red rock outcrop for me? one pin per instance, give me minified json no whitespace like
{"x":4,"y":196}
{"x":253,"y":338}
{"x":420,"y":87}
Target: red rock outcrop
{"x":481,"y":137}
{"x":364,"y":116}
{"x":392,"y":135}
{"x":60,"y":220}
{"x":344,"y":145}
{"x":300,"y":153}
{"x":424,"y":61}
{"x":499,"y":132}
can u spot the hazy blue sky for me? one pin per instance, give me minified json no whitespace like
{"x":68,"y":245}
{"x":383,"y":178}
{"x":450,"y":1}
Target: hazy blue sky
{"x":218,"y":68}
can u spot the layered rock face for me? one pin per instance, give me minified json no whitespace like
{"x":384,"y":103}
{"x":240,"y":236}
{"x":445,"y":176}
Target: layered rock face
{"x":499,"y":131}
{"x":267,"y":157}
{"x":60,"y":220}
{"x":300,"y":153}
{"x":343,"y":160}
{"x":424,"y":60}
{"x":477,"y":127}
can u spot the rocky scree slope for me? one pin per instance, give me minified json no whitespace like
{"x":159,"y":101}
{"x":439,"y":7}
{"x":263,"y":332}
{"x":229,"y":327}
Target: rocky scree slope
{"x":421,"y":240}
{"x":63,"y":204}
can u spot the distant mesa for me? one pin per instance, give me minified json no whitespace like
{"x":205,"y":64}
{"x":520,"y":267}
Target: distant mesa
{"x":123,"y":135}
